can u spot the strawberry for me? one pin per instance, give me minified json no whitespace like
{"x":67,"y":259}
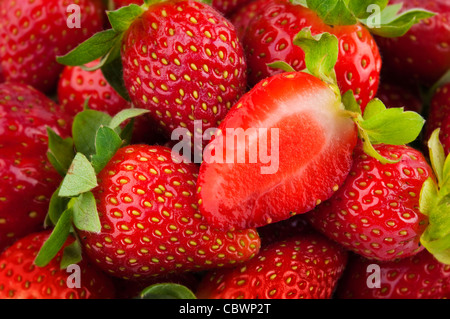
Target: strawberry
{"x":134,"y":208}
{"x":150,"y":223}
{"x":397,"y":95}
{"x":376,"y":212}
{"x":181,"y":60}
{"x":33,"y":33}
{"x":417,"y":277}
{"x":28,"y":179}
{"x":226,"y":7}
{"x":287,"y":144}
{"x":423,"y":53}
{"x":20,"y":278}
{"x":303,"y":267}
{"x":76,"y":85}
{"x":439,"y":116}
{"x":270,"y":34}
{"x":241,"y":18}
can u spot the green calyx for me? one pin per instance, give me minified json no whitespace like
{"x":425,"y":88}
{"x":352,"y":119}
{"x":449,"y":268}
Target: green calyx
{"x":166,"y":291}
{"x":379,"y":17}
{"x":105,"y":46}
{"x":435,"y":202}
{"x":378,"y":124}
{"x":96,"y":137}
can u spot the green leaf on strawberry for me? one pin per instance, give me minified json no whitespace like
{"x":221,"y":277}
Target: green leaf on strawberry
{"x":167,"y":291}
{"x":85,"y":215}
{"x":96,"y":138}
{"x":56,"y":240}
{"x":435,"y":202}
{"x":379,"y":17}
{"x":121,"y":18}
{"x":377,"y":124}
{"x":80,"y":177}
{"x":61,"y":151}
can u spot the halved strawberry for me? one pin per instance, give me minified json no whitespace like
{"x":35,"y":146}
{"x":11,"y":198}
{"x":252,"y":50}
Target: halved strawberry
{"x":287,"y":144}
{"x":303,"y":267}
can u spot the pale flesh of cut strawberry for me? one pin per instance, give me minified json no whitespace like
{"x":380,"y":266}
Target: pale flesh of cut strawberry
{"x":305,"y":166}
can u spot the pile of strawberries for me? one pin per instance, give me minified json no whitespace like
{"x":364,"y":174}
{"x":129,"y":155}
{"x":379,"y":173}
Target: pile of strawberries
{"x":333,"y":183}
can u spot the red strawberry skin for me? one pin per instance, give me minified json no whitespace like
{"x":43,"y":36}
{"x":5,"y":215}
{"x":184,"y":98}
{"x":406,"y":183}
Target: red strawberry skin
{"x":375,"y":213}
{"x":28,"y":179}
{"x":76,"y":85}
{"x":423,"y":53}
{"x":269,"y":38}
{"x":416,"y":277}
{"x":396,"y":95}
{"x":313,"y":158}
{"x":150,"y":222}
{"x":183,"y":62}
{"x":303,"y":267}
{"x":33,"y":33}
{"x":20,"y":278}
{"x":439,"y":116}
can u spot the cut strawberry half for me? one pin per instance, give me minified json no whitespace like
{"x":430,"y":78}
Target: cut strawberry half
{"x":312,"y":129}
{"x":286,"y":145}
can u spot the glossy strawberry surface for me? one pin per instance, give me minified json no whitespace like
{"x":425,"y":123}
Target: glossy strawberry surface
{"x":416,"y":277}
{"x":34,"y":33}
{"x":183,"y":62}
{"x":20,"y":278}
{"x":439,"y":116}
{"x":77,"y":86}
{"x":28,"y":179}
{"x":150,"y":221}
{"x":423,"y":53}
{"x":376,"y":212}
{"x":269,"y":38}
{"x":303,"y":267}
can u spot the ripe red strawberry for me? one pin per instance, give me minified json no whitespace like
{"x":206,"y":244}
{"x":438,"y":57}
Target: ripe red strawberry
{"x":182,"y":61}
{"x":76,"y":85}
{"x":397,"y":95}
{"x":417,"y":277}
{"x":150,"y":221}
{"x":376,"y":212}
{"x":303,"y":267}
{"x":33,"y":33}
{"x":20,"y":278}
{"x":269,"y":38}
{"x":423,"y":53}
{"x":241,"y":18}
{"x":28,"y":179}
{"x":226,"y":7}
{"x":439,"y":116}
